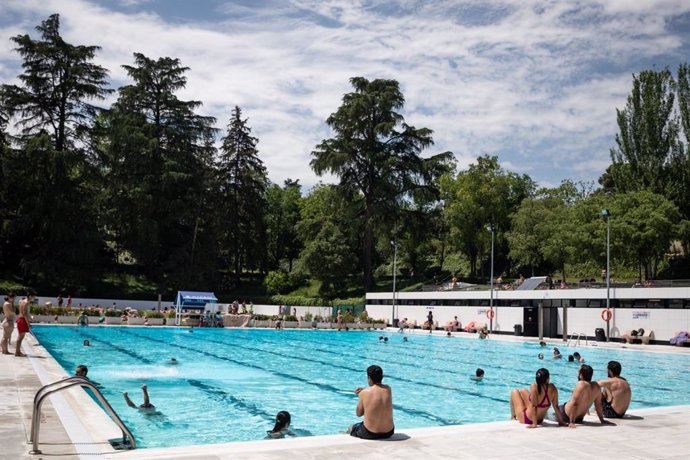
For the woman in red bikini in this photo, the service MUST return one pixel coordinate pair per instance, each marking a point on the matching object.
(530, 406)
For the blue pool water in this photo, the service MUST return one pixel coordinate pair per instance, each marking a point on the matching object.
(230, 383)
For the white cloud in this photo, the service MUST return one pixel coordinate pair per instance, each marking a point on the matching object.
(536, 82)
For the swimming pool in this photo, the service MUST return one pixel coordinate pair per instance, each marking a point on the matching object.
(230, 383)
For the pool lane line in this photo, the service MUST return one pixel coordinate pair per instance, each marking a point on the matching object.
(388, 375)
(397, 361)
(321, 386)
(358, 371)
(561, 390)
(495, 367)
(235, 402)
(221, 395)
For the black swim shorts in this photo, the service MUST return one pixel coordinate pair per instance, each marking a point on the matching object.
(360, 431)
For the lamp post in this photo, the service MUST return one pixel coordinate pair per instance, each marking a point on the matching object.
(605, 214)
(491, 282)
(395, 260)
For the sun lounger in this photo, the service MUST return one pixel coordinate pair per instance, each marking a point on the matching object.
(639, 336)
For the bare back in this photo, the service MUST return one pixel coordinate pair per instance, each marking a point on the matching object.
(376, 404)
(617, 392)
(8, 310)
(24, 308)
(584, 395)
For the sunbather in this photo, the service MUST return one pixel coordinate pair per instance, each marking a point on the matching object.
(530, 407)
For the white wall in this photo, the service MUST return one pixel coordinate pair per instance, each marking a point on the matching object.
(664, 322)
(86, 302)
(504, 320)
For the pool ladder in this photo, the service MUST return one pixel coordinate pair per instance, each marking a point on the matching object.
(127, 438)
(577, 336)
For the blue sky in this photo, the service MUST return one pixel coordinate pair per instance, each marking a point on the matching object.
(536, 83)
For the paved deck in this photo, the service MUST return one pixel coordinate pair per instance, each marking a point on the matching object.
(73, 427)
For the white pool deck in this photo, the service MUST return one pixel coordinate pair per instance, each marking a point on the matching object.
(73, 427)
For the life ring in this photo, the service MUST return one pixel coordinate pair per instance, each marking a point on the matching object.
(606, 314)
(490, 313)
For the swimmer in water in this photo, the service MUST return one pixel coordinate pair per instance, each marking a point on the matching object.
(478, 375)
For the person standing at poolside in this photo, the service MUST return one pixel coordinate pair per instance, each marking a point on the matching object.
(376, 405)
(430, 321)
(615, 392)
(7, 323)
(22, 325)
(585, 393)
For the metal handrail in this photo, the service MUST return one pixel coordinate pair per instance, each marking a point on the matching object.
(577, 336)
(60, 385)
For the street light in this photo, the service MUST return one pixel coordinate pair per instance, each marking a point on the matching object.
(606, 214)
(491, 282)
(395, 260)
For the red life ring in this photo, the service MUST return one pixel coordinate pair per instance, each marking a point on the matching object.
(490, 313)
(606, 314)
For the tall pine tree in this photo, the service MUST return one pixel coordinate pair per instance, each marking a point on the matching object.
(242, 182)
(158, 160)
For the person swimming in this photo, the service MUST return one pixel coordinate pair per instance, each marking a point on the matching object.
(282, 425)
(540, 356)
(146, 407)
(578, 358)
(86, 343)
(556, 353)
(571, 359)
(173, 361)
(478, 374)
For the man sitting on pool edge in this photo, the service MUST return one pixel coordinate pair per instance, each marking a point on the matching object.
(585, 393)
(616, 394)
(376, 405)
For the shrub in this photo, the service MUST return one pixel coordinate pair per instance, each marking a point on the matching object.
(261, 317)
(290, 318)
(153, 314)
(277, 282)
(38, 310)
(113, 313)
(170, 314)
(308, 317)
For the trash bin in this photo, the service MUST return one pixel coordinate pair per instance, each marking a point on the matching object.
(518, 329)
(395, 322)
(600, 334)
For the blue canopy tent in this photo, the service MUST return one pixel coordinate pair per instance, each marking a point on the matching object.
(192, 299)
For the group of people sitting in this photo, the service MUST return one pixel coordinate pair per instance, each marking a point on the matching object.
(611, 398)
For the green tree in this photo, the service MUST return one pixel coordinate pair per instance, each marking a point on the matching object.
(328, 257)
(335, 208)
(540, 234)
(50, 221)
(648, 135)
(376, 154)
(484, 195)
(158, 165)
(643, 226)
(58, 81)
(282, 217)
(242, 183)
(680, 165)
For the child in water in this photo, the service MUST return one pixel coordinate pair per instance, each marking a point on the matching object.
(282, 426)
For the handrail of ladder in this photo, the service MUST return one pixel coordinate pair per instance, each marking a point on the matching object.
(577, 336)
(60, 385)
